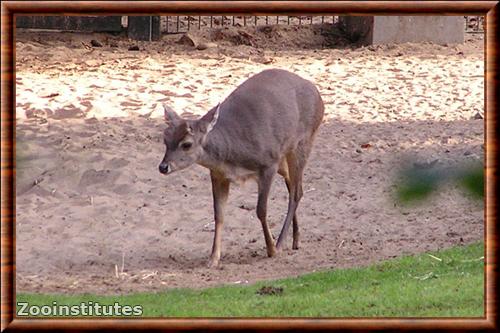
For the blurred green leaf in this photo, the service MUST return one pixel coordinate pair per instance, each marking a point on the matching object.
(417, 183)
(472, 180)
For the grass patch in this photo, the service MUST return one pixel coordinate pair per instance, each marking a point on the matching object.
(440, 284)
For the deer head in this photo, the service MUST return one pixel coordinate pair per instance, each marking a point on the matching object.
(184, 139)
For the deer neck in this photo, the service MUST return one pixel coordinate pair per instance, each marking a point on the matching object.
(213, 150)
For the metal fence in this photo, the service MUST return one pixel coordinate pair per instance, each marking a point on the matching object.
(183, 24)
(474, 24)
(151, 27)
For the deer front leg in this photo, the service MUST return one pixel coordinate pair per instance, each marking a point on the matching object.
(264, 183)
(220, 191)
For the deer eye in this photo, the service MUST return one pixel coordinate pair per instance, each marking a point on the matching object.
(186, 145)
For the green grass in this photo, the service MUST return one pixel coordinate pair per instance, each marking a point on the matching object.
(417, 286)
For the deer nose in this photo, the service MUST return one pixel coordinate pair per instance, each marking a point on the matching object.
(163, 168)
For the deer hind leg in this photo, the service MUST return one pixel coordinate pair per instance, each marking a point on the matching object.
(220, 191)
(286, 176)
(264, 184)
(291, 184)
(293, 178)
(283, 171)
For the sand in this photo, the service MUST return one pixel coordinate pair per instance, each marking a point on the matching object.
(93, 214)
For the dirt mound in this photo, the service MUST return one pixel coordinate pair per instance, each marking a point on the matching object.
(279, 37)
(270, 290)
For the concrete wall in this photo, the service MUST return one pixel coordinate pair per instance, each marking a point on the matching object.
(401, 29)
(367, 30)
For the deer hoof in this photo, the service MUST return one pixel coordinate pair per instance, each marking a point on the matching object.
(271, 251)
(213, 263)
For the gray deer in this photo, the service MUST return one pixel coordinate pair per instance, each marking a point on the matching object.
(266, 126)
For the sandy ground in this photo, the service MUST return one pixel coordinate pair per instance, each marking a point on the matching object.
(94, 214)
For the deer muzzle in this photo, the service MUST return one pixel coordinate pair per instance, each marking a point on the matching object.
(163, 168)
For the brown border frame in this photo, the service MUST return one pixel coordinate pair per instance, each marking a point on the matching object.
(10, 8)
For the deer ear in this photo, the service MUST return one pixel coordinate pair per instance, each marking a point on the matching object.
(214, 119)
(171, 117)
